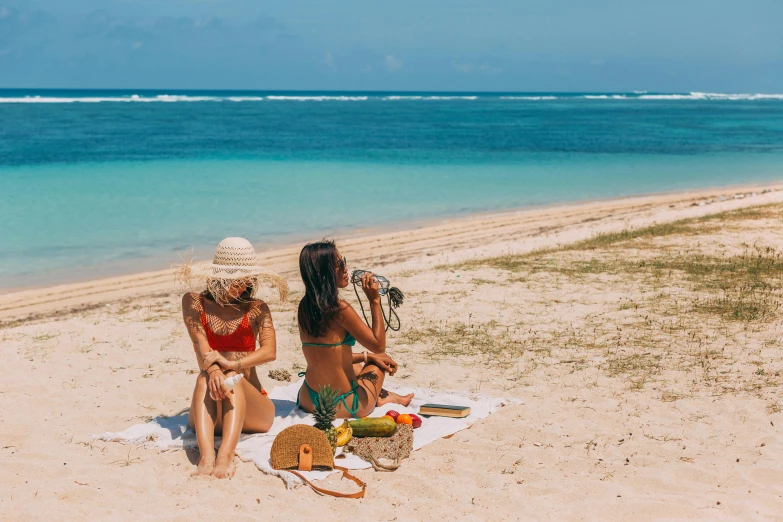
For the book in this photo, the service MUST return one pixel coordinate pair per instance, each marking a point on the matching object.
(444, 410)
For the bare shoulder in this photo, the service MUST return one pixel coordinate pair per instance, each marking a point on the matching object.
(345, 310)
(260, 314)
(191, 301)
(189, 298)
(259, 308)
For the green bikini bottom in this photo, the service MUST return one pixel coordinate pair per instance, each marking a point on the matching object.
(353, 409)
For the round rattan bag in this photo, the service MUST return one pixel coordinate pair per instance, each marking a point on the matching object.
(288, 443)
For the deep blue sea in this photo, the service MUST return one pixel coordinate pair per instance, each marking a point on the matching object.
(98, 182)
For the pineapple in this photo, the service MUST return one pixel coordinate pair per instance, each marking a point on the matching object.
(325, 413)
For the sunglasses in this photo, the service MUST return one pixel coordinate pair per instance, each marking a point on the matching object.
(343, 263)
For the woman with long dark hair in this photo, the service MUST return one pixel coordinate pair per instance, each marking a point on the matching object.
(329, 328)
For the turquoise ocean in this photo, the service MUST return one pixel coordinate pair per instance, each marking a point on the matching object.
(103, 182)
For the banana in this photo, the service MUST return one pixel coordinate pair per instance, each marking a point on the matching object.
(344, 434)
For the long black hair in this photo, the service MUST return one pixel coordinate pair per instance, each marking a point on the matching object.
(319, 306)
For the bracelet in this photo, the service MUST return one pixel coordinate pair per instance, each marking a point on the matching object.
(239, 364)
(215, 369)
(365, 356)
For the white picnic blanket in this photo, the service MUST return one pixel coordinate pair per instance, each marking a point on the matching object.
(166, 433)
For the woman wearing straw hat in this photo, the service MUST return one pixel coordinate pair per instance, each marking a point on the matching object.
(224, 321)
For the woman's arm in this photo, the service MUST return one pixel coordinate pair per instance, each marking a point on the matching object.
(267, 350)
(380, 359)
(373, 339)
(191, 314)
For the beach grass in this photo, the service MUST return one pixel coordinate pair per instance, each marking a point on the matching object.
(695, 308)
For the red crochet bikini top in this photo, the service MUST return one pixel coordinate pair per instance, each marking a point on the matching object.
(240, 340)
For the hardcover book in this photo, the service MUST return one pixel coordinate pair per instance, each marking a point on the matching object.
(444, 410)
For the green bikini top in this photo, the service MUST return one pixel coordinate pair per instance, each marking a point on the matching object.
(350, 340)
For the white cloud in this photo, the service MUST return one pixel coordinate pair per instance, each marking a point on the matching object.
(393, 64)
(209, 22)
(137, 45)
(328, 62)
(4, 12)
(463, 67)
(488, 69)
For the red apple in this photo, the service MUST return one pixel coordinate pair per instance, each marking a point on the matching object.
(415, 420)
(393, 414)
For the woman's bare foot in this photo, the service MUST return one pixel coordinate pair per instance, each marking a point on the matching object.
(205, 466)
(224, 468)
(387, 397)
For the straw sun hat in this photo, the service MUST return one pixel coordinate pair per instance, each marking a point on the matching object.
(235, 261)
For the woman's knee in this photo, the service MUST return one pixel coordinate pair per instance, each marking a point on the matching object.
(200, 390)
(263, 423)
(371, 379)
(374, 368)
(260, 415)
(201, 380)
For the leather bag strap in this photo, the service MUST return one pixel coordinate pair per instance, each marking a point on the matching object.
(358, 494)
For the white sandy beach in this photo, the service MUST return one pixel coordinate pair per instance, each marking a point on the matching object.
(635, 403)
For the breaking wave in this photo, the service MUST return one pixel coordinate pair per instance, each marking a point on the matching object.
(407, 98)
(531, 98)
(317, 98)
(712, 96)
(186, 98)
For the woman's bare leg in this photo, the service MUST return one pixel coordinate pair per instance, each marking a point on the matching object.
(385, 396)
(234, 408)
(202, 418)
(246, 410)
(388, 397)
(370, 381)
(260, 412)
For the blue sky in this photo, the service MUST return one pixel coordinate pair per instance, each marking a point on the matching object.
(522, 45)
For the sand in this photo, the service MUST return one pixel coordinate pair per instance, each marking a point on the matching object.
(639, 399)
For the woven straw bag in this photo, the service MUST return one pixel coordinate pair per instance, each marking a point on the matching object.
(287, 444)
(305, 448)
